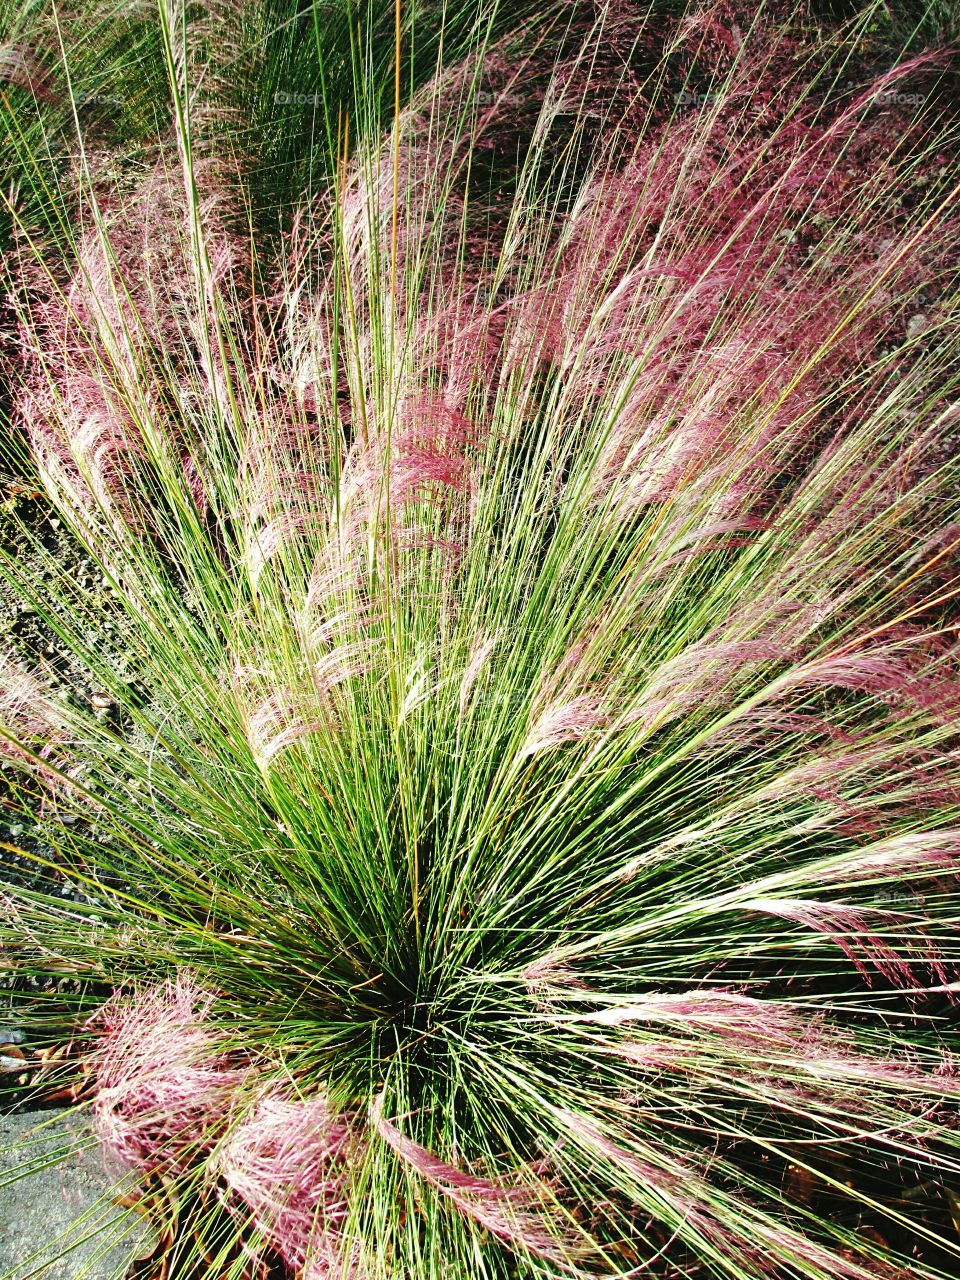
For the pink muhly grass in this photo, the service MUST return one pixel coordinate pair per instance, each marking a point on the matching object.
(337, 605)
(713, 536)
(20, 66)
(275, 716)
(919, 853)
(680, 1188)
(569, 704)
(420, 457)
(85, 445)
(564, 720)
(678, 325)
(515, 1214)
(431, 439)
(35, 736)
(477, 661)
(781, 1242)
(336, 665)
(163, 1082)
(28, 709)
(733, 1227)
(870, 671)
(269, 537)
(855, 931)
(427, 155)
(700, 675)
(282, 471)
(744, 1020)
(286, 1168)
(685, 1199)
(276, 724)
(458, 346)
(97, 401)
(799, 1061)
(773, 1028)
(653, 421)
(548, 976)
(404, 491)
(847, 774)
(910, 851)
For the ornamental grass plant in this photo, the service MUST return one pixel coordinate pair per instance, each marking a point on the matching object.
(516, 831)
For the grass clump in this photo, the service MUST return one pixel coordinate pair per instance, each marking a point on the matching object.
(523, 836)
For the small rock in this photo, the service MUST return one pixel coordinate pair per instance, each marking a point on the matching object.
(12, 1035)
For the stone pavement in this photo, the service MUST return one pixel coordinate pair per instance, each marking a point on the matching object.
(39, 1211)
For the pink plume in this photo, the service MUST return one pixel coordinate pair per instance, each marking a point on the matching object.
(163, 1086)
(698, 675)
(848, 927)
(514, 1215)
(286, 1167)
(715, 1011)
(563, 720)
(277, 723)
(28, 709)
(480, 652)
(546, 976)
(918, 851)
(276, 718)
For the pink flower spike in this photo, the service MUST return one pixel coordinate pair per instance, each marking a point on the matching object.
(480, 652)
(287, 1166)
(546, 976)
(275, 724)
(163, 1086)
(564, 720)
(847, 926)
(27, 708)
(664, 1182)
(716, 1012)
(919, 851)
(514, 1215)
